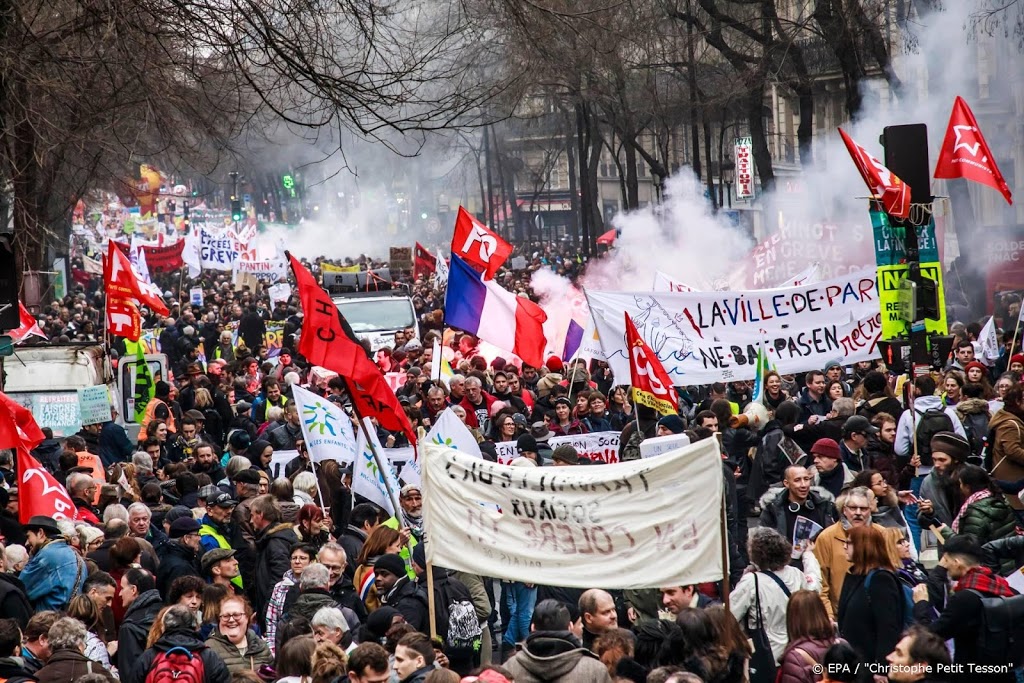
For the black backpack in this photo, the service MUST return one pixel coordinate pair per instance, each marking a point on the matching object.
(976, 429)
(930, 423)
(1001, 636)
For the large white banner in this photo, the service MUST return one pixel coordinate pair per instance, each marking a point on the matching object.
(637, 524)
(704, 337)
(325, 427)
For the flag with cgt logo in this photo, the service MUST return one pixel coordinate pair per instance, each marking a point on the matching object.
(367, 478)
(325, 427)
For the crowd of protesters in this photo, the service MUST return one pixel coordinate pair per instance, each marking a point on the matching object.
(191, 556)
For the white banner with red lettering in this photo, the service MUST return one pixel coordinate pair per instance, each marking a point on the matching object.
(584, 527)
(598, 447)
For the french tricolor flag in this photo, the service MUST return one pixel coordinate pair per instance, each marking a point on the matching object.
(496, 315)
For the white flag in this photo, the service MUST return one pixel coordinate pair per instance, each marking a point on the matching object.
(450, 432)
(191, 253)
(435, 362)
(325, 427)
(988, 342)
(138, 259)
(367, 479)
(441, 269)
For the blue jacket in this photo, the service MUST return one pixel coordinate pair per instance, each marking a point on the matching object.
(53, 576)
(115, 446)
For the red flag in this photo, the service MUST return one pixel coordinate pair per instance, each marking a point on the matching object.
(478, 245)
(124, 319)
(122, 282)
(39, 493)
(28, 325)
(325, 342)
(651, 384)
(965, 154)
(883, 183)
(424, 263)
(17, 426)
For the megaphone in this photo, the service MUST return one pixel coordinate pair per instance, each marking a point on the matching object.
(754, 417)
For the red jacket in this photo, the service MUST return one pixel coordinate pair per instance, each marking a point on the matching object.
(794, 667)
(471, 420)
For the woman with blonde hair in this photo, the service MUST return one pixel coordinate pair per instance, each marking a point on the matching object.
(84, 609)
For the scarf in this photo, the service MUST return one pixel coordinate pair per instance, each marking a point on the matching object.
(832, 481)
(415, 524)
(984, 580)
(973, 498)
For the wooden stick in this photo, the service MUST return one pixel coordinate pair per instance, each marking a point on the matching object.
(725, 554)
(430, 599)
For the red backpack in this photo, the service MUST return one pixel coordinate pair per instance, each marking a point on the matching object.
(177, 665)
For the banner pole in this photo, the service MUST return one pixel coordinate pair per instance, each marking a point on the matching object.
(1013, 344)
(725, 554)
(431, 607)
(392, 494)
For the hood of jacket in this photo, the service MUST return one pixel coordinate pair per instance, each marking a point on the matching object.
(146, 605)
(180, 637)
(282, 531)
(972, 406)
(923, 403)
(549, 655)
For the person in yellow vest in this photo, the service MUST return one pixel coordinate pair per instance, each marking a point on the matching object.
(410, 526)
(216, 525)
(159, 407)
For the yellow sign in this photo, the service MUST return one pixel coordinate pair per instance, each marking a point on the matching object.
(329, 268)
(888, 297)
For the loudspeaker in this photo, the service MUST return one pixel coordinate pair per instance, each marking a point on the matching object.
(906, 155)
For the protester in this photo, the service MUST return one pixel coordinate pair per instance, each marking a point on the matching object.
(552, 652)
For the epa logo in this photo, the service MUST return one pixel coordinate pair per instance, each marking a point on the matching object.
(318, 418)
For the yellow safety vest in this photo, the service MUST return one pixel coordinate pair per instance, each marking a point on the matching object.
(404, 553)
(207, 530)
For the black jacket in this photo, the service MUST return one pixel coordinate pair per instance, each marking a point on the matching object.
(115, 446)
(131, 637)
(871, 620)
(14, 602)
(352, 540)
(273, 559)
(819, 507)
(411, 600)
(177, 560)
(214, 669)
(284, 437)
(12, 670)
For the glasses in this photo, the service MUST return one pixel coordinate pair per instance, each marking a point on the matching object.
(232, 617)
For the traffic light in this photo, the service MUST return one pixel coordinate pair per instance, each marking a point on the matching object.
(236, 209)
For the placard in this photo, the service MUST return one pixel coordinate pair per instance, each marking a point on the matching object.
(94, 404)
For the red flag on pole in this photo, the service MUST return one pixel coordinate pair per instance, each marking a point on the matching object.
(28, 325)
(883, 183)
(965, 154)
(17, 426)
(651, 384)
(39, 493)
(424, 263)
(122, 282)
(478, 245)
(325, 342)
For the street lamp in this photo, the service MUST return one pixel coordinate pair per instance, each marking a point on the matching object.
(726, 172)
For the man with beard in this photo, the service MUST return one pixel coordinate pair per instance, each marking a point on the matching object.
(502, 392)
(879, 453)
(830, 546)
(780, 509)
(434, 406)
(409, 522)
(940, 496)
(207, 463)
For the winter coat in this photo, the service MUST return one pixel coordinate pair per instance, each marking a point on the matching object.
(829, 550)
(880, 403)
(879, 455)
(795, 667)
(819, 507)
(213, 666)
(53, 575)
(310, 602)
(131, 637)
(418, 676)
(871, 618)
(257, 652)
(13, 670)
(975, 417)
(743, 603)
(284, 437)
(411, 600)
(1008, 450)
(14, 603)
(69, 665)
(177, 560)
(990, 519)
(808, 406)
(556, 657)
(771, 460)
(273, 559)
(905, 427)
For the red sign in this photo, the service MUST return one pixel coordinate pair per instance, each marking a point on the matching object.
(160, 259)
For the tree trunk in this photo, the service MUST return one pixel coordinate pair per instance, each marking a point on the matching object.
(759, 138)
(805, 131)
(692, 82)
(597, 215)
(489, 207)
(575, 220)
(707, 155)
(581, 162)
(632, 181)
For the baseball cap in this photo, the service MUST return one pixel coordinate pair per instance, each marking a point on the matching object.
(249, 476)
(858, 424)
(221, 500)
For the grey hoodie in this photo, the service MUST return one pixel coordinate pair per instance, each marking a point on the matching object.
(556, 657)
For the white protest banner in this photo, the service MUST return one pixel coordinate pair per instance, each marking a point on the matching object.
(325, 427)
(507, 451)
(596, 446)
(280, 292)
(94, 404)
(441, 269)
(586, 527)
(666, 283)
(217, 252)
(705, 337)
(988, 343)
(590, 342)
(279, 460)
(367, 478)
(270, 271)
(191, 254)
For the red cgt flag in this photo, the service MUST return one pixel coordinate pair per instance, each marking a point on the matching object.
(651, 384)
(424, 263)
(883, 183)
(122, 282)
(325, 342)
(965, 154)
(478, 245)
(39, 493)
(17, 426)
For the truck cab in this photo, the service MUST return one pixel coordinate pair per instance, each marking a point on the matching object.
(372, 305)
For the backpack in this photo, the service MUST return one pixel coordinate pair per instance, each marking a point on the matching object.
(177, 665)
(930, 423)
(1001, 636)
(976, 428)
(457, 616)
(631, 451)
(907, 609)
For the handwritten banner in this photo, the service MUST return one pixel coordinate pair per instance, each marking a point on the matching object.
(217, 252)
(269, 271)
(586, 527)
(598, 447)
(704, 337)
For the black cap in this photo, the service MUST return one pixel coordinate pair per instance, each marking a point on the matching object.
(858, 424)
(183, 526)
(527, 443)
(221, 500)
(249, 476)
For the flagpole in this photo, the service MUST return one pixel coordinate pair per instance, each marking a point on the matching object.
(1016, 329)
(392, 494)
